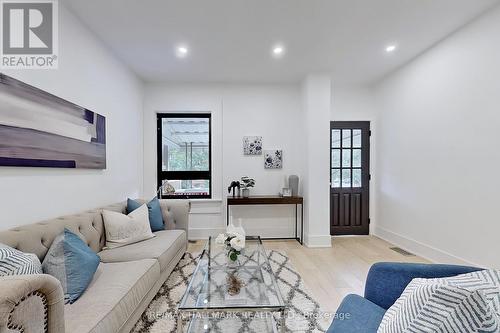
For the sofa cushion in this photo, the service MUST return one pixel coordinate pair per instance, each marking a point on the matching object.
(72, 262)
(163, 247)
(155, 216)
(463, 303)
(357, 315)
(124, 229)
(14, 262)
(112, 296)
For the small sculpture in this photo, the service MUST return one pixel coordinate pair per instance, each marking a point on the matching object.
(234, 184)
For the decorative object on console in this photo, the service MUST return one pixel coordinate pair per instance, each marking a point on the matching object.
(38, 129)
(155, 217)
(252, 145)
(234, 185)
(246, 183)
(15, 262)
(126, 229)
(273, 159)
(72, 262)
(234, 244)
(287, 192)
(293, 184)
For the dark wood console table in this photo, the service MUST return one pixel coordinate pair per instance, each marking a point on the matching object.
(272, 200)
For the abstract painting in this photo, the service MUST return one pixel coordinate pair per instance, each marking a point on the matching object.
(273, 159)
(252, 145)
(38, 129)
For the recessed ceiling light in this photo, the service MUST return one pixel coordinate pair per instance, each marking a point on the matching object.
(391, 48)
(181, 51)
(278, 51)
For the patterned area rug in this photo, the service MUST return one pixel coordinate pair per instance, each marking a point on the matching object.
(304, 313)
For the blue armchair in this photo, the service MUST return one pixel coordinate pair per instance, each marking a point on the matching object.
(384, 284)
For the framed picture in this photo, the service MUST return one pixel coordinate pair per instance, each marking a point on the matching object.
(38, 129)
(273, 159)
(252, 145)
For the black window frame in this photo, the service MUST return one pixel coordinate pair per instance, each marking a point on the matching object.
(183, 175)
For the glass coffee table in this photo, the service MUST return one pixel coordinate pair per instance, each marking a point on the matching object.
(209, 305)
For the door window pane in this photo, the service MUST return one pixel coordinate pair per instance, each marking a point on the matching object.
(335, 138)
(346, 178)
(356, 178)
(346, 158)
(356, 138)
(335, 158)
(356, 158)
(346, 138)
(335, 178)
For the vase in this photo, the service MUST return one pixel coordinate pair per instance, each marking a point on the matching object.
(245, 193)
(293, 183)
(236, 228)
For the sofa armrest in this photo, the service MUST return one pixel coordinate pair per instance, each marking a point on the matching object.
(386, 281)
(176, 212)
(31, 303)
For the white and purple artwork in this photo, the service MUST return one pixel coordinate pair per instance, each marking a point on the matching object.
(252, 145)
(273, 159)
(38, 129)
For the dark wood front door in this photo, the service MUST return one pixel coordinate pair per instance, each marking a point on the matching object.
(349, 177)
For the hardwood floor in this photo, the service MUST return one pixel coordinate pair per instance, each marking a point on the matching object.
(332, 273)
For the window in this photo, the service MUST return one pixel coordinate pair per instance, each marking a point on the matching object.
(184, 155)
(346, 163)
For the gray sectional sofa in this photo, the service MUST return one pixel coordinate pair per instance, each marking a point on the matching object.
(126, 280)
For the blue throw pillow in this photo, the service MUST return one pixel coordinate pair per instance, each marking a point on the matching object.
(155, 217)
(72, 262)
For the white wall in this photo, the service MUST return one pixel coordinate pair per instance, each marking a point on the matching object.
(358, 104)
(438, 149)
(89, 76)
(272, 111)
(316, 109)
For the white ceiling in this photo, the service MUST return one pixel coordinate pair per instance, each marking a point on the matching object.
(231, 40)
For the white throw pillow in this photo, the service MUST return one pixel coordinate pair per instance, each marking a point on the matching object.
(463, 303)
(126, 229)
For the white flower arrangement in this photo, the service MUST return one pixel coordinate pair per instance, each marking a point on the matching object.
(233, 242)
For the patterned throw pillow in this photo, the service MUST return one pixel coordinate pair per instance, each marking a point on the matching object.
(463, 303)
(15, 262)
(72, 262)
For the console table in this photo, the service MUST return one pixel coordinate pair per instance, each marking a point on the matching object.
(272, 200)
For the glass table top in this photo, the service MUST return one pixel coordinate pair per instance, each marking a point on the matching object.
(208, 288)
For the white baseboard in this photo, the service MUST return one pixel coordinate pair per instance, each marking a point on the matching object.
(204, 233)
(428, 252)
(318, 241)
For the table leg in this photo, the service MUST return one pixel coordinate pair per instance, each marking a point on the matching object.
(302, 224)
(296, 220)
